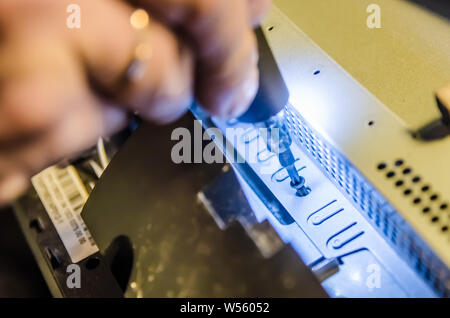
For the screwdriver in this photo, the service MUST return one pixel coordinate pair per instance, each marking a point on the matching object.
(267, 111)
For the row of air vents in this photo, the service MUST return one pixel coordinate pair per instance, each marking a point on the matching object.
(414, 187)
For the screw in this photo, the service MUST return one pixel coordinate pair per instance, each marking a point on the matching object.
(302, 190)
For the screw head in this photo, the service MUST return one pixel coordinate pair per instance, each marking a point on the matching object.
(303, 191)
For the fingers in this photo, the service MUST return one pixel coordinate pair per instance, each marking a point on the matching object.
(224, 46)
(258, 9)
(12, 186)
(73, 134)
(87, 119)
(443, 95)
(164, 90)
(47, 110)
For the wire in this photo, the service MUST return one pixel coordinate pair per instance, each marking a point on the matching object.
(96, 167)
(104, 160)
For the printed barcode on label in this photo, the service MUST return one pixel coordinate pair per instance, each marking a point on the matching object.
(63, 195)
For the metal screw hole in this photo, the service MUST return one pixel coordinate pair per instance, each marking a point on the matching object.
(407, 171)
(390, 174)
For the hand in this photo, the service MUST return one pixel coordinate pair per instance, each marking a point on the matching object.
(48, 107)
(444, 96)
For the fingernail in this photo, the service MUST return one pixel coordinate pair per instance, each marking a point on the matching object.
(12, 187)
(246, 95)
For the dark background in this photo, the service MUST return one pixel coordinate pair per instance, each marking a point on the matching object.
(19, 273)
(441, 7)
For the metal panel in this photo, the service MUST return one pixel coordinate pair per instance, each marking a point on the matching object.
(395, 181)
(402, 63)
(360, 132)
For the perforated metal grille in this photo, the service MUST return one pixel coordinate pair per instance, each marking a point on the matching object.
(373, 205)
(421, 194)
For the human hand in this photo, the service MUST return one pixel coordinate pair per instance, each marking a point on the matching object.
(49, 108)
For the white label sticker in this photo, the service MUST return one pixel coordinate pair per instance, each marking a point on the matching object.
(63, 195)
